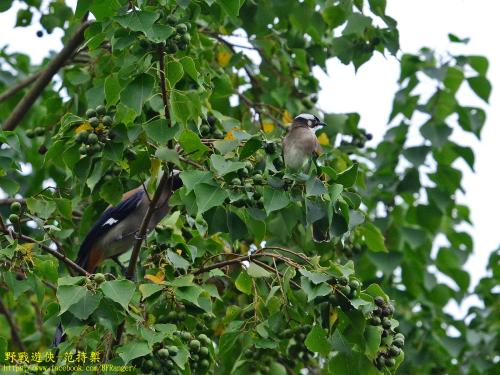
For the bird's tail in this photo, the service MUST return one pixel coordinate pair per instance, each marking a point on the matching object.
(59, 336)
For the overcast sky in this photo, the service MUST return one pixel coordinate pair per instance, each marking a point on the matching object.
(371, 89)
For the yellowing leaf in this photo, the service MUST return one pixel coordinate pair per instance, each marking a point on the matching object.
(223, 58)
(26, 248)
(82, 127)
(229, 136)
(287, 118)
(157, 279)
(323, 139)
(179, 251)
(333, 317)
(267, 126)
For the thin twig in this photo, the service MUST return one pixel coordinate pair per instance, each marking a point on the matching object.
(45, 78)
(188, 161)
(21, 85)
(14, 329)
(275, 270)
(279, 248)
(47, 249)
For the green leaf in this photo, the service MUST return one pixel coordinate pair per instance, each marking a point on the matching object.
(138, 92)
(177, 261)
(481, 87)
(159, 132)
(174, 73)
(479, 63)
(147, 290)
(138, 21)
(68, 295)
(250, 147)
(313, 290)
(244, 283)
(223, 166)
(274, 199)
(120, 291)
(316, 341)
(377, 6)
(86, 305)
(208, 196)
(111, 191)
(112, 89)
(315, 187)
(373, 237)
(334, 15)
(189, 67)
(168, 155)
(195, 177)
(257, 271)
(231, 7)
(348, 177)
(191, 143)
(41, 207)
(315, 277)
(133, 350)
(356, 24)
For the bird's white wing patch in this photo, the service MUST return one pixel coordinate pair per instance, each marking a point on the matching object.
(110, 222)
(306, 116)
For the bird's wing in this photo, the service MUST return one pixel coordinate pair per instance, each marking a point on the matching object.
(109, 218)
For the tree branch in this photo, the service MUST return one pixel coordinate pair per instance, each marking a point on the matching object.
(47, 249)
(14, 329)
(45, 77)
(21, 85)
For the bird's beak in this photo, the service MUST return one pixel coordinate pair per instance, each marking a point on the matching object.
(321, 123)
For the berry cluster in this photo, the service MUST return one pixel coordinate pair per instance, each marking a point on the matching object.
(246, 180)
(297, 351)
(358, 139)
(92, 141)
(259, 360)
(39, 131)
(208, 129)
(181, 38)
(272, 149)
(15, 207)
(392, 342)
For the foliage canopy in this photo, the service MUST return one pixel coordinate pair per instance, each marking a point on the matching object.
(231, 281)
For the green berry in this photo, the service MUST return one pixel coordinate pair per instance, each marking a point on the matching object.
(107, 121)
(163, 353)
(181, 28)
(390, 362)
(204, 339)
(204, 351)
(249, 165)
(186, 38)
(386, 323)
(14, 218)
(99, 278)
(204, 364)
(96, 148)
(185, 335)
(204, 129)
(218, 133)
(148, 365)
(100, 110)
(15, 207)
(30, 133)
(375, 321)
(39, 131)
(257, 196)
(172, 315)
(83, 150)
(257, 178)
(195, 345)
(379, 301)
(248, 186)
(90, 113)
(173, 350)
(94, 122)
(236, 181)
(92, 139)
(170, 364)
(399, 343)
(82, 136)
(172, 20)
(394, 351)
(249, 353)
(243, 172)
(343, 281)
(195, 357)
(171, 47)
(354, 284)
(345, 290)
(399, 336)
